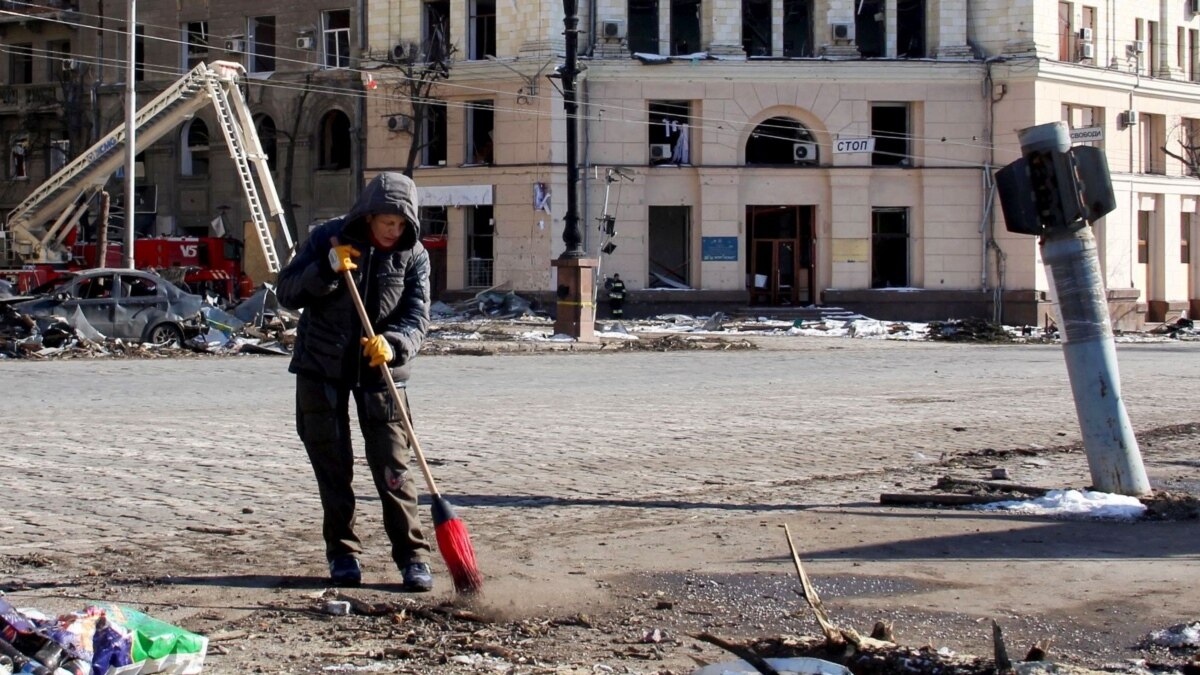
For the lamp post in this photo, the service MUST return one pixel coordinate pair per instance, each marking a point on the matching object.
(576, 310)
(130, 132)
(572, 236)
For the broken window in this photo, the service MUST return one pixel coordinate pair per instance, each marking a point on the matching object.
(670, 246)
(483, 29)
(643, 26)
(889, 126)
(434, 234)
(685, 26)
(334, 146)
(20, 64)
(264, 126)
(58, 65)
(480, 125)
(195, 43)
(60, 151)
(481, 233)
(756, 27)
(910, 29)
(436, 27)
(797, 28)
(869, 28)
(670, 132)
(335, 26)
(433, 134)
(889, 247)
(194, 158)
(261, 33)
(782, 140)
(18, 160)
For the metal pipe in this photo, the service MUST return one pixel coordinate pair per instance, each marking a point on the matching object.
(1073, 268)
(130, 132)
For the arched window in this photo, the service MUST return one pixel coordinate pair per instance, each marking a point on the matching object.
(264, 126)
(782, 140)
(194, 157)
(334, 142)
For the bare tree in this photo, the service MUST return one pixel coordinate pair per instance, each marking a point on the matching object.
(422, 67)
(1189, 154)
(288, 170)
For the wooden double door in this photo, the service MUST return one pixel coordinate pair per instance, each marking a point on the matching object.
(779, 255)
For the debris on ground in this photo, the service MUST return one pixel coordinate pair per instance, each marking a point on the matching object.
(968, 330)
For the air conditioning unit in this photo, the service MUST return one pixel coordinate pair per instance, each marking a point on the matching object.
(235, 45)
(399, 123)
(612, 29)
(70, 65)
(1130, 118)
(305, 43)
(660, 151)
(842, 31)
(1085, 34)
(1137, 47)
(397, 54)
(804, 153)
(1087, 50)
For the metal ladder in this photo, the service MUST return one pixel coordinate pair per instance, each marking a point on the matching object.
(241, 159)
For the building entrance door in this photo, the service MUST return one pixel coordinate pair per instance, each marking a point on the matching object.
(779, 254)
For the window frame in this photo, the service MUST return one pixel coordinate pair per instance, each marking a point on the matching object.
(260, 52)
(194, 51)
(480, 27)
(659, 113)
(476, 154)
(20, 57)
(893, 150)
(337, 60)
(435, 124)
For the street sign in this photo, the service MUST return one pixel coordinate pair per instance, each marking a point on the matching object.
(1087, 134)
(845, 146)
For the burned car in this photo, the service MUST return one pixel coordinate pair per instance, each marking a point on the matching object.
(122, 303)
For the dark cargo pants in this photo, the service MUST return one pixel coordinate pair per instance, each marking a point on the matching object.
(323, 422)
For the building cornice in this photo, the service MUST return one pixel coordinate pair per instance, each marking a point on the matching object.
(1077, 75)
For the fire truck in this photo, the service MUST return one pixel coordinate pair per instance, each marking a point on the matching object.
(38, 237)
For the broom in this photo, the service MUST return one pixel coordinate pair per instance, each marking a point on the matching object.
(453, 540)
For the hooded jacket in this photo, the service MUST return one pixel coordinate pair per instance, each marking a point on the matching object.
(394, 285)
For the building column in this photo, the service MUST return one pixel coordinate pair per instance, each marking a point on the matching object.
(720, 28)
(777, 28)
(950, 17)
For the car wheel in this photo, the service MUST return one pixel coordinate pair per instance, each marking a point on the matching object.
(165, 333)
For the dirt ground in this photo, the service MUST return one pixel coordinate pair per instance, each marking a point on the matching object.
(554, 605)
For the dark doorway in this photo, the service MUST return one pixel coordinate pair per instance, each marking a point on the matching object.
(779, 245)
(481, 241)
(670, 247)
(889, 247)
(643, 26)
(434, 235)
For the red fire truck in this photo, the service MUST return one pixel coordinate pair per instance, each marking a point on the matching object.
(37, 238)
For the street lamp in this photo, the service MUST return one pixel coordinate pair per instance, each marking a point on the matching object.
(572, 236)
(130, 133)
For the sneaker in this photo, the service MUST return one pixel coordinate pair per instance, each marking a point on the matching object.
(418, 578)
(345, 571)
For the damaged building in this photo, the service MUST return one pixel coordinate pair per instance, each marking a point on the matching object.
(791, 152)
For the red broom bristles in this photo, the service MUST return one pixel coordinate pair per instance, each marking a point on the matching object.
(455, 544)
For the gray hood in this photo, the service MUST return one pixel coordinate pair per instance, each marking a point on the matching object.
(387, 192)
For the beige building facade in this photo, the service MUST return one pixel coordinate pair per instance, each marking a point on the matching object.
(725, 141)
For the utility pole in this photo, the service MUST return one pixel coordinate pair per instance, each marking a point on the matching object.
(1055, 192)
(130, 151)
(576, 315)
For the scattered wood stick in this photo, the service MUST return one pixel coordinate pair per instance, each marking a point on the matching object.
(1003, 663)
(950, 483)
(204, 529)
(743, 653)
(832, 633)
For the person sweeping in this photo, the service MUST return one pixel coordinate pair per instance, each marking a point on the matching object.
(376, 245)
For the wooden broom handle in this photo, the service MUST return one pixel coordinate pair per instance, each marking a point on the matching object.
(405, 419)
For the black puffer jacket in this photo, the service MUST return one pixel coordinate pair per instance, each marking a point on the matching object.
(394, 285)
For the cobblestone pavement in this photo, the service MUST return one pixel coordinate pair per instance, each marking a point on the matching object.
(552, 458)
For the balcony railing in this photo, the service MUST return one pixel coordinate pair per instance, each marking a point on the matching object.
(29, 97)
(35, 8)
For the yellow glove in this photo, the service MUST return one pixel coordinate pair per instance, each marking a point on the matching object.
(378, 350)
(340, 258)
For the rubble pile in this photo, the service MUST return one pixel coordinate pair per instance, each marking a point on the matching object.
(257, 325)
